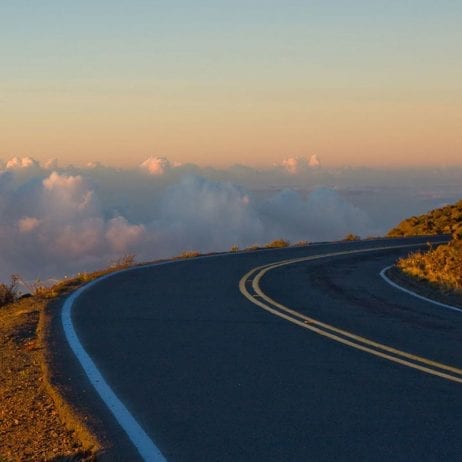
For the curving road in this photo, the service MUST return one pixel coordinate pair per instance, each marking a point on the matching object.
(200, 355)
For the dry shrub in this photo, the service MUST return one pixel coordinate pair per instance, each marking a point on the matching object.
(351, 237)
(122, 262)
(441, 266)
(9, 293)
(66, 285)
(277, 244)
(189, 254)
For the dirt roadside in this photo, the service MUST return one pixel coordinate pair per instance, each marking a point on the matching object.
(35, 423)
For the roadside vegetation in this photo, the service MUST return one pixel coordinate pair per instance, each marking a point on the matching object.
(445, 220)
(441, 266)
(351, 237)
(9, 293)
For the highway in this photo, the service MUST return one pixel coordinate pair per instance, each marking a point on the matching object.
(237, 357)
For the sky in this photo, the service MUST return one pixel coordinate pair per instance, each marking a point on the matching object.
(373, 83)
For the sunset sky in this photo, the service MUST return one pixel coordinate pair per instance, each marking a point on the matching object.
(375, 83)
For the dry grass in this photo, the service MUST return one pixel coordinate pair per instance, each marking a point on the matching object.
(277, 244)
(9, 293)
(441, 266)
(351, 237)
(189, 254)
(40, 290)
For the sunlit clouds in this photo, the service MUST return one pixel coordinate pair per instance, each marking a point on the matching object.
(157, 165)
(62, 220)
(297, 165)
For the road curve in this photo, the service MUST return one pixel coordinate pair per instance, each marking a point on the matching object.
(210, 376)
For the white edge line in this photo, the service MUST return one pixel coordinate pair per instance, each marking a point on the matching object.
(147, 449)
(143, 443)
(410, 292)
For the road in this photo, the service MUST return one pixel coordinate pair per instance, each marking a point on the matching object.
(211, 376)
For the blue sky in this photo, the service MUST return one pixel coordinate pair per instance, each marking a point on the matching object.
(301, 54)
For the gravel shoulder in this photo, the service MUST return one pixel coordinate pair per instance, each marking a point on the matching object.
(35, 423)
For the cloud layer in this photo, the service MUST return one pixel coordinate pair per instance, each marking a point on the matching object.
(57, 221)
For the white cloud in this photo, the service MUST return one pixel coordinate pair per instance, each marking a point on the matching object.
(78, 219)
(123, 236)
(314, 161)
(68, 193)
(299, 165)
(51, 164)
(207, 215)
(17, 163)
(156, 165)
(28, 224)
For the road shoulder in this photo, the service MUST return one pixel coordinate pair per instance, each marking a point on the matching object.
(35, 422)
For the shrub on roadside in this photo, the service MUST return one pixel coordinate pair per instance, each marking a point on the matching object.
(9, 293)
(277, 244)
(441, 266)
(123, 262)
(351, 237)
(189, 254)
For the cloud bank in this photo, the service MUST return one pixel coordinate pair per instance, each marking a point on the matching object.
(59, 221)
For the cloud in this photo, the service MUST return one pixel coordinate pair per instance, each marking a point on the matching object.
(68, 195)
(197, 213)
(62, 220)
(299, 165)
(28, 224)
(51, 164)
(17, 163)
(158, 165)
(122, 236)
(314, 161)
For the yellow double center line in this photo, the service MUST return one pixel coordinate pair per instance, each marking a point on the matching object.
(252, 279)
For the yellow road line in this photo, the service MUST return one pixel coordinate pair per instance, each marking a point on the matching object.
(353, 340)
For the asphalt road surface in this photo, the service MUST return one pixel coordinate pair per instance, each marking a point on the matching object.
(210, 375)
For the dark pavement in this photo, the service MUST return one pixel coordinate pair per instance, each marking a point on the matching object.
(211, 377)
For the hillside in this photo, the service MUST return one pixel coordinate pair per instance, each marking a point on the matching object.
(445, 220)
(442, 266)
